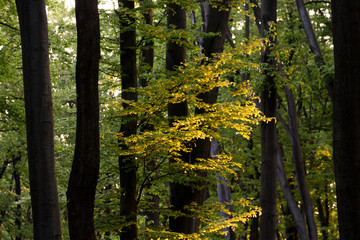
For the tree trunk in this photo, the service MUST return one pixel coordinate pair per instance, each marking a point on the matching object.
(85, 168)
(268, 130)
(127, 164)
(147, 63)
(39, 119)
(346, 113)
(17, 191)
(180, 194)
(223, 192)
(299, 164)
(292, 204)
(313, 44)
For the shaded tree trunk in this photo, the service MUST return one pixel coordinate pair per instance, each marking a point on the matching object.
(17, 191)
(127, 164)
(346, 115)
(85, 168)
(293, 132)
(147, 63)
(292, 204)
(268, 130)
(324, 216)
(180, 195)
(39, 119)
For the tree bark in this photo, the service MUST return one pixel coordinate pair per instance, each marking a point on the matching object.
(85, 168)
(39, 119)
(127, 164)
(268, 130)
(346, 115)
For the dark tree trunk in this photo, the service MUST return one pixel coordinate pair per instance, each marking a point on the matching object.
(39, 119)
(147, 63)
(147, 51)
(292, 204)
(216, 21)
(299, 164)
(313, 44)
(346, 135)
(324, 217)
(268, 130)
(180, 194)
(17, 191)
(127, 164)
(85, 168)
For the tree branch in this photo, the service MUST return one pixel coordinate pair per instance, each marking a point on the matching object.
(7, 25)
(326, 2)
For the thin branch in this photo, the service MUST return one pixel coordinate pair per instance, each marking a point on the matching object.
(7, 25)
(326, 2)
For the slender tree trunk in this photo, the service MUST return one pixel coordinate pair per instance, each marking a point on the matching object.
(127, 164)
(223, 192)
(39, 119)
(313, 43)
(292, 204)
(17, 191)
(147, 63)
(85, 168)
(346, 113)
(268, 130)
(324, 217)
(299, 164)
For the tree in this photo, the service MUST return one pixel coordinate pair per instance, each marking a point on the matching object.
(86, 163)
(181, 195)
(269, 146)
(39, 119)
(127, 163)
(346, 128)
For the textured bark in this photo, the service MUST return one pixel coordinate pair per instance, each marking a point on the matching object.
(292, 204)
(127, 164)
(346, 113)
(39, 119)
(268, 130)
(85, 168)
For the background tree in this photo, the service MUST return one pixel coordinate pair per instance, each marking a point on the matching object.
(269, 146)
(127, 163)
(39, 119)
(85, 168)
